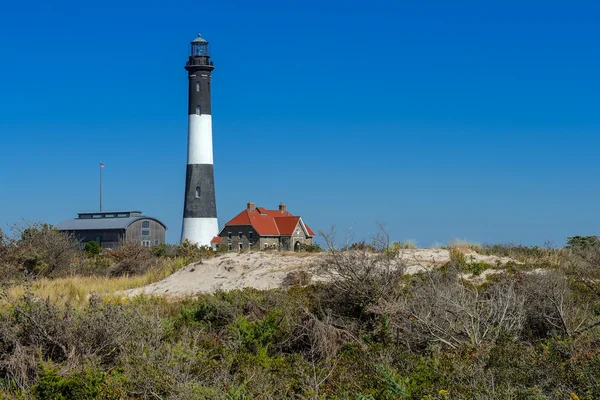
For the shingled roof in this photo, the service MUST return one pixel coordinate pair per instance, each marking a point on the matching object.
(268, 222)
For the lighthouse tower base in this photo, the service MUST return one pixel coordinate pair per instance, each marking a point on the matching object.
(199, 231)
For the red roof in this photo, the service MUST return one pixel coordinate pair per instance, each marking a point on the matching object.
(216, 240)
(268, 222)
(286, 225)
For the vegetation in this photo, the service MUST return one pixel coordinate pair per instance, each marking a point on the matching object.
(368, 331)
(93, 248)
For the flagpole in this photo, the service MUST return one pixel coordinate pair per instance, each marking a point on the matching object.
(101, 186)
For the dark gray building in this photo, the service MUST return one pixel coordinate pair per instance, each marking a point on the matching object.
(110, 228)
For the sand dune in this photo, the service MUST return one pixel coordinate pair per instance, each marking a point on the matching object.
(265, 270)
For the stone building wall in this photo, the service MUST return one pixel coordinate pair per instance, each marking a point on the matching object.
(233, 236)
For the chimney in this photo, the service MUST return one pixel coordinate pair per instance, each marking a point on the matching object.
(251, 206)
(282, 207)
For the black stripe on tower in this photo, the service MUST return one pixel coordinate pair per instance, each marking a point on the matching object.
(199, 93)
(200, 192)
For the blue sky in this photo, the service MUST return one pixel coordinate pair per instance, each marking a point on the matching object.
(471, 120)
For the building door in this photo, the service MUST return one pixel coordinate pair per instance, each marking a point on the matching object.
(297, 246)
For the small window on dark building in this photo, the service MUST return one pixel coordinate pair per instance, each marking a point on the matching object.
(241, 246)
(146, 224)
(240, 234)
(229, 247)
(198, 112)
(250, 235)
(146, 233)
(198, 86)
(198, 192)
(229, 235)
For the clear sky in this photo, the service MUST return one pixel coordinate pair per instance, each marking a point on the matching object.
(443, 120)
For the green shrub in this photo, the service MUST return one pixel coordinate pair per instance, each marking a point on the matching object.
(582, 242)
(192, 252)
(81, 386)
(93, 248)
(310, 248)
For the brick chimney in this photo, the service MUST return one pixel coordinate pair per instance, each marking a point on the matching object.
(251, 206)
(282, 207)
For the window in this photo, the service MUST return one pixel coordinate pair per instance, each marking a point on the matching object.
(156, 242)
(229, 235)
(146, 225)
(240, 235)
(146, 232)
(241, 246)
(266, 246)
(198, 112)
(198, 86)
(146, 243)
(229, 247)
(198, 193)
(250, 235)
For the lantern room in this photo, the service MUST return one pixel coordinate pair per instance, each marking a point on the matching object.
(199, 47)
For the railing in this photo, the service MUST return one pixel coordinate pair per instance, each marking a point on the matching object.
(199, 61)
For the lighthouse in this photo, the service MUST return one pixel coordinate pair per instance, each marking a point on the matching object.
(200, 208)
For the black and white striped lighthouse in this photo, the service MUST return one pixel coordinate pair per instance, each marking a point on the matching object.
(200, 208)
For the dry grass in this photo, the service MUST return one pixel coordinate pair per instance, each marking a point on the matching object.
(463, 244)
(77, 289)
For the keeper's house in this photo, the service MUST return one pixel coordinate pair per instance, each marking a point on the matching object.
(257, 228)
(110, 228)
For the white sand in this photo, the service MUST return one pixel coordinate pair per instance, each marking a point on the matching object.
(266, 270)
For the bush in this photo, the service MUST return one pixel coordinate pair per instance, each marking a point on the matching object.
(41, 250)
(310, 248)
(93, 248)
(582, 242)
(192, 252)
(359, 278)
(130, 259)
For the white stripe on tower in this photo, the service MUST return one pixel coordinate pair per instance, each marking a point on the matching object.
(200, 148)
